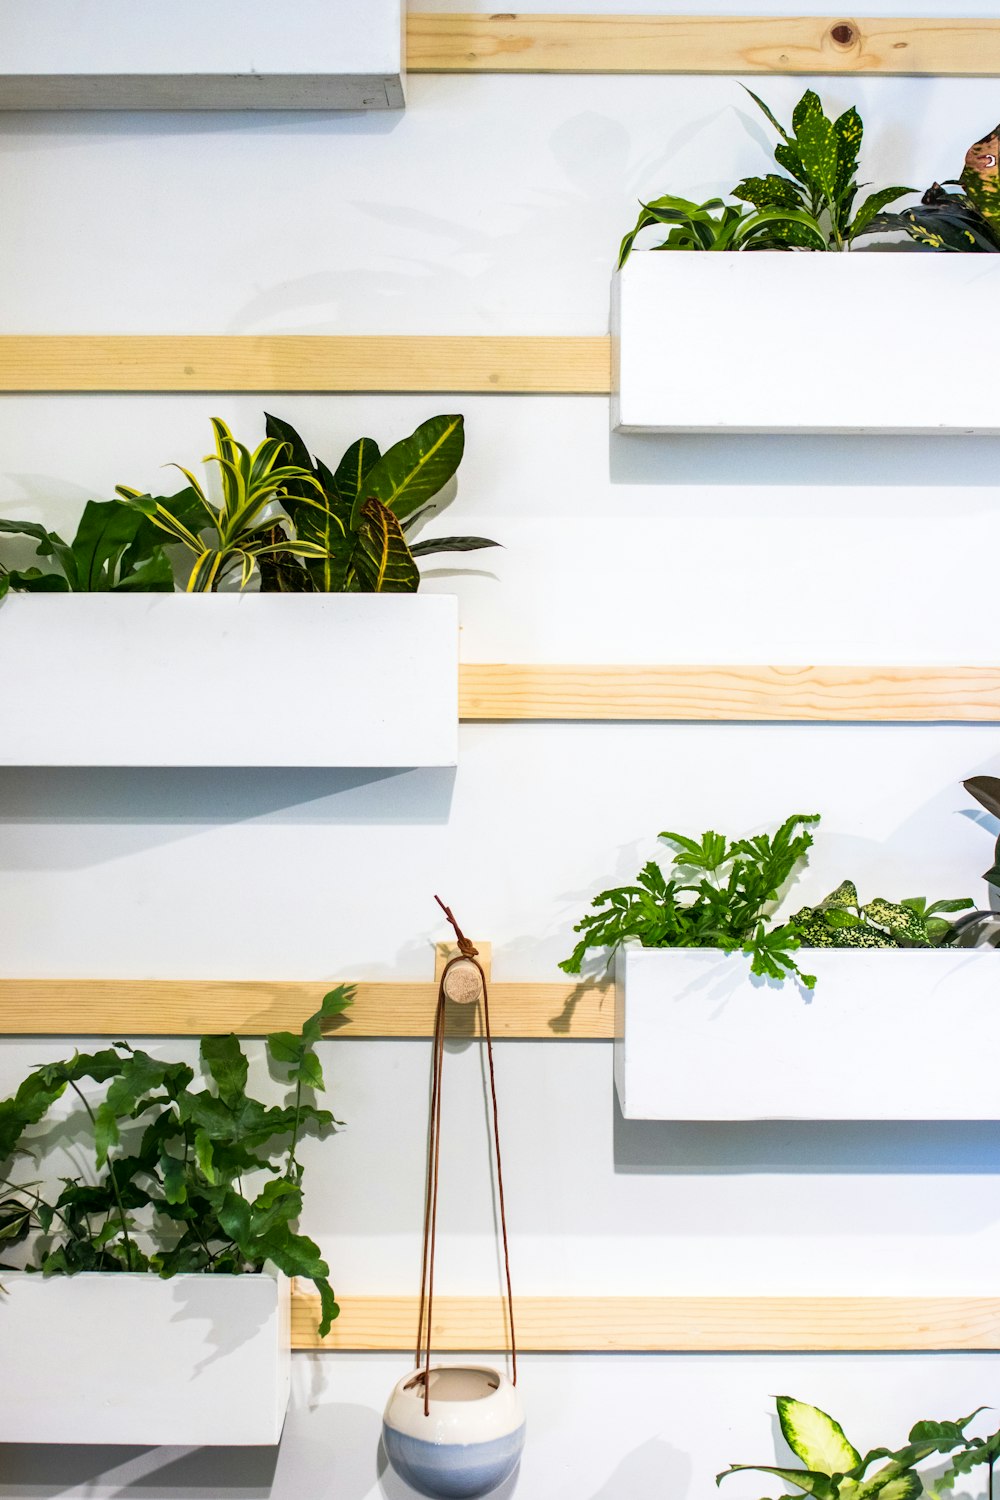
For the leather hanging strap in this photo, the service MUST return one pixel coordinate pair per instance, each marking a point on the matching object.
(467, 953)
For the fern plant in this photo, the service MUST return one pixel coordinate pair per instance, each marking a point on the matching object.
(721, 893)
(186, 1178)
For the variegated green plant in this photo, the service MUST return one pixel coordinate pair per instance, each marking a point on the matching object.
(836, 1470)
(840, 921)
(239, 529)
(811, 207)
(359, 514)
(820, 157)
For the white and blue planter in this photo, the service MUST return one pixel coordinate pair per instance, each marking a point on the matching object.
(469, 1443)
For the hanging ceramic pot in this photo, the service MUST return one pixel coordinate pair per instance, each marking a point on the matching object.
(455, 1430)
(470, 1441)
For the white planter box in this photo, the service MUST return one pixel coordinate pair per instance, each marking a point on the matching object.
(767, 341)
(201, 54)
(229, 680)
(132, 1359)
(697, 1037)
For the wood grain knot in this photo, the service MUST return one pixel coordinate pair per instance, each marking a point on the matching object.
(844, 34)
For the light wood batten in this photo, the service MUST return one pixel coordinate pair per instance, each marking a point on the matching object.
(496, 691)
(497, 364)
(940, 46)
(628, 1325)
(131, 1008)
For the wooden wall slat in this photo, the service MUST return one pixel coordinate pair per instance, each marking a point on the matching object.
(131, 1008)
(791, 693)
(649, 1324)
(305, 362)
(701, 44)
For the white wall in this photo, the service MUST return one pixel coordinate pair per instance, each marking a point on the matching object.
(496, 205)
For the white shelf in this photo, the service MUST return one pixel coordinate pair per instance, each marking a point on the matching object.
(127, 1358)
(887, 1034)
(229, 680)
(201, 54)
(766, 341)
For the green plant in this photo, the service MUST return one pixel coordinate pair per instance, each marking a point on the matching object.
(187, 1178)
(713, 225)
(242, 525)
(809, 208)
(986, 790)
(114, 549)
(840, 921)
(944, 221)
(835, 1470)
(720, 895)
(820, 156)
(358, 515)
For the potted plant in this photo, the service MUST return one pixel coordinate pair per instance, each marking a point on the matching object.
(147, 1300)
(341, 541)
(835, 1470)
(703, 1034)
(672, 313)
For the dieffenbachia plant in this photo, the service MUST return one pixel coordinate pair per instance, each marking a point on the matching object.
(359, 515)
(721, 893)
(840, 921)
(836, 1470)
(186, 1178)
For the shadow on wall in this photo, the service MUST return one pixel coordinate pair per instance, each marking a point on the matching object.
(784, 461)
(668, 1147)
(172, 799)
(135, 1473)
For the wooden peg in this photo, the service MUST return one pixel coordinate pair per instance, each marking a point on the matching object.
(463, 985)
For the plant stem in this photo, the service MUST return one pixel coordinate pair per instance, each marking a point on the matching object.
(295, 1131)
(114, 1181)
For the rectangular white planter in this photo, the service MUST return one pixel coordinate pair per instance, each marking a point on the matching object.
(201, 54)
(229, 680)
(765, 341)
(198, 1360)
(698, 1037)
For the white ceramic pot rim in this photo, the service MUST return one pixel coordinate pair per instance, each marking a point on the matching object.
(496, 1413)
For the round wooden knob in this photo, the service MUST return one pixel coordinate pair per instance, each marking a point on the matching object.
(463, 982)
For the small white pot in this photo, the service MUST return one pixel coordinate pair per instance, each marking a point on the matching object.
(471, 1441)
(128, 1358)
(887, 1034)
(229, 679)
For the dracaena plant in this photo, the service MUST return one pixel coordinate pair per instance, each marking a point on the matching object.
(836, 1470)
(359, 515)
(713, 225)
(841, 921)
(188, 1175)
(239, 529)
(114, 549)
(721, 893)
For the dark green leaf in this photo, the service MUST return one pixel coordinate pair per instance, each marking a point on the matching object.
(414, 469)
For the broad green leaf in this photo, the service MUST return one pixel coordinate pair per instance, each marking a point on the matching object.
(819, 1485)
(819, 150)
(224, 1059)
(770, 192)
(809, 106)
(174, 1179)
(850, 133)
(899, 1487)
(874, 204)
(416, 468)
(383, 561)
(354, 468)
(815, 1437)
